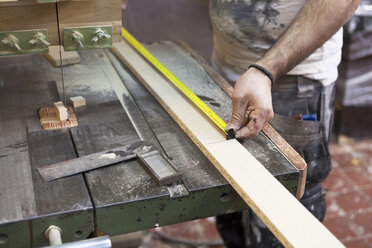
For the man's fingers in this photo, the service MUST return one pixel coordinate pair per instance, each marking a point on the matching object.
(243, 133)
(254, 126)
(238, 112)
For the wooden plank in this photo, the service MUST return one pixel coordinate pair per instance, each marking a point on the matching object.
(276, 207)
(268, 130)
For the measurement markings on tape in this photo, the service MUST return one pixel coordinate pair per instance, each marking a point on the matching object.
(169, 75)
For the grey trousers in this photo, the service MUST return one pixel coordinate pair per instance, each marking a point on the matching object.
(295, 95)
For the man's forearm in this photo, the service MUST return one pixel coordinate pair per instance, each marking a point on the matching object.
(317, 21)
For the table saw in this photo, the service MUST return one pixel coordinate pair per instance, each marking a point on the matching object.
(119, 198)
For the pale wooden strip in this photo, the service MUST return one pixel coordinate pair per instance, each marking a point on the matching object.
(277, 208)
(68, 58)
(289, 220)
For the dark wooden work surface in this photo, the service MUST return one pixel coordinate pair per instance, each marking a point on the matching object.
(119, 198)
(27, 205)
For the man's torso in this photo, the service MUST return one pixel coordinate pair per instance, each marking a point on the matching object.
(245, 29)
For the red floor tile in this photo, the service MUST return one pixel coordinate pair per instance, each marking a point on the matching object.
(369, 240)
(350, 201)
(358, 243)
(340, 227)
(363, 223)
(364, 147)
(367, 193)
(336, 181)
(343, 160)
(333, 209)
(359, 175)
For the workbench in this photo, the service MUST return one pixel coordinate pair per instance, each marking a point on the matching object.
(120, 198)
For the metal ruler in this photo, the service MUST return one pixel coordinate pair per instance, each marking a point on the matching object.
(169, 75)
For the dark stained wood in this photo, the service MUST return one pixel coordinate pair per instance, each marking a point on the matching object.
(25, 17)
(24, 147)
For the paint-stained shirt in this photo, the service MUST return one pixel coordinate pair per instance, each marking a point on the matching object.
(245, 29)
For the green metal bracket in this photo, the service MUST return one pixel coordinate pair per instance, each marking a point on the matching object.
(24, 42)
(84, 38)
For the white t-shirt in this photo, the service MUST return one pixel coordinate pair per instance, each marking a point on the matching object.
(245, 29)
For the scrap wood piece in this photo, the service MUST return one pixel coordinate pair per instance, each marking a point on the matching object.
(77, 101)
(290, 221)
(68, 58)
(50, 121)
(289, 152)
(61, 111)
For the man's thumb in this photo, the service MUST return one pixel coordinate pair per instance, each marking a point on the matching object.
(235, 122)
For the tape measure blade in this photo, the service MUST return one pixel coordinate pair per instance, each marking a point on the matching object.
(171, 77)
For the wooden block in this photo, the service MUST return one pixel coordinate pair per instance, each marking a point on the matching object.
(61, 111)
(286, 217)
(50, 121)
(77, 101)
(68, 58)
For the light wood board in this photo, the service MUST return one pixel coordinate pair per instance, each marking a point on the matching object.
(68, 58)
(278, 209)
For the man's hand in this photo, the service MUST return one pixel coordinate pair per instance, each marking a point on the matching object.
(252, 106)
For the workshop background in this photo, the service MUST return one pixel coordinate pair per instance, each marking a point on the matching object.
(349, 186)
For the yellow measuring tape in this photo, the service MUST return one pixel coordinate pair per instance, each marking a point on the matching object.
(186, 91)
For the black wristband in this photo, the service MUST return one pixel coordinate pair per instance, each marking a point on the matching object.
(266, 72)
